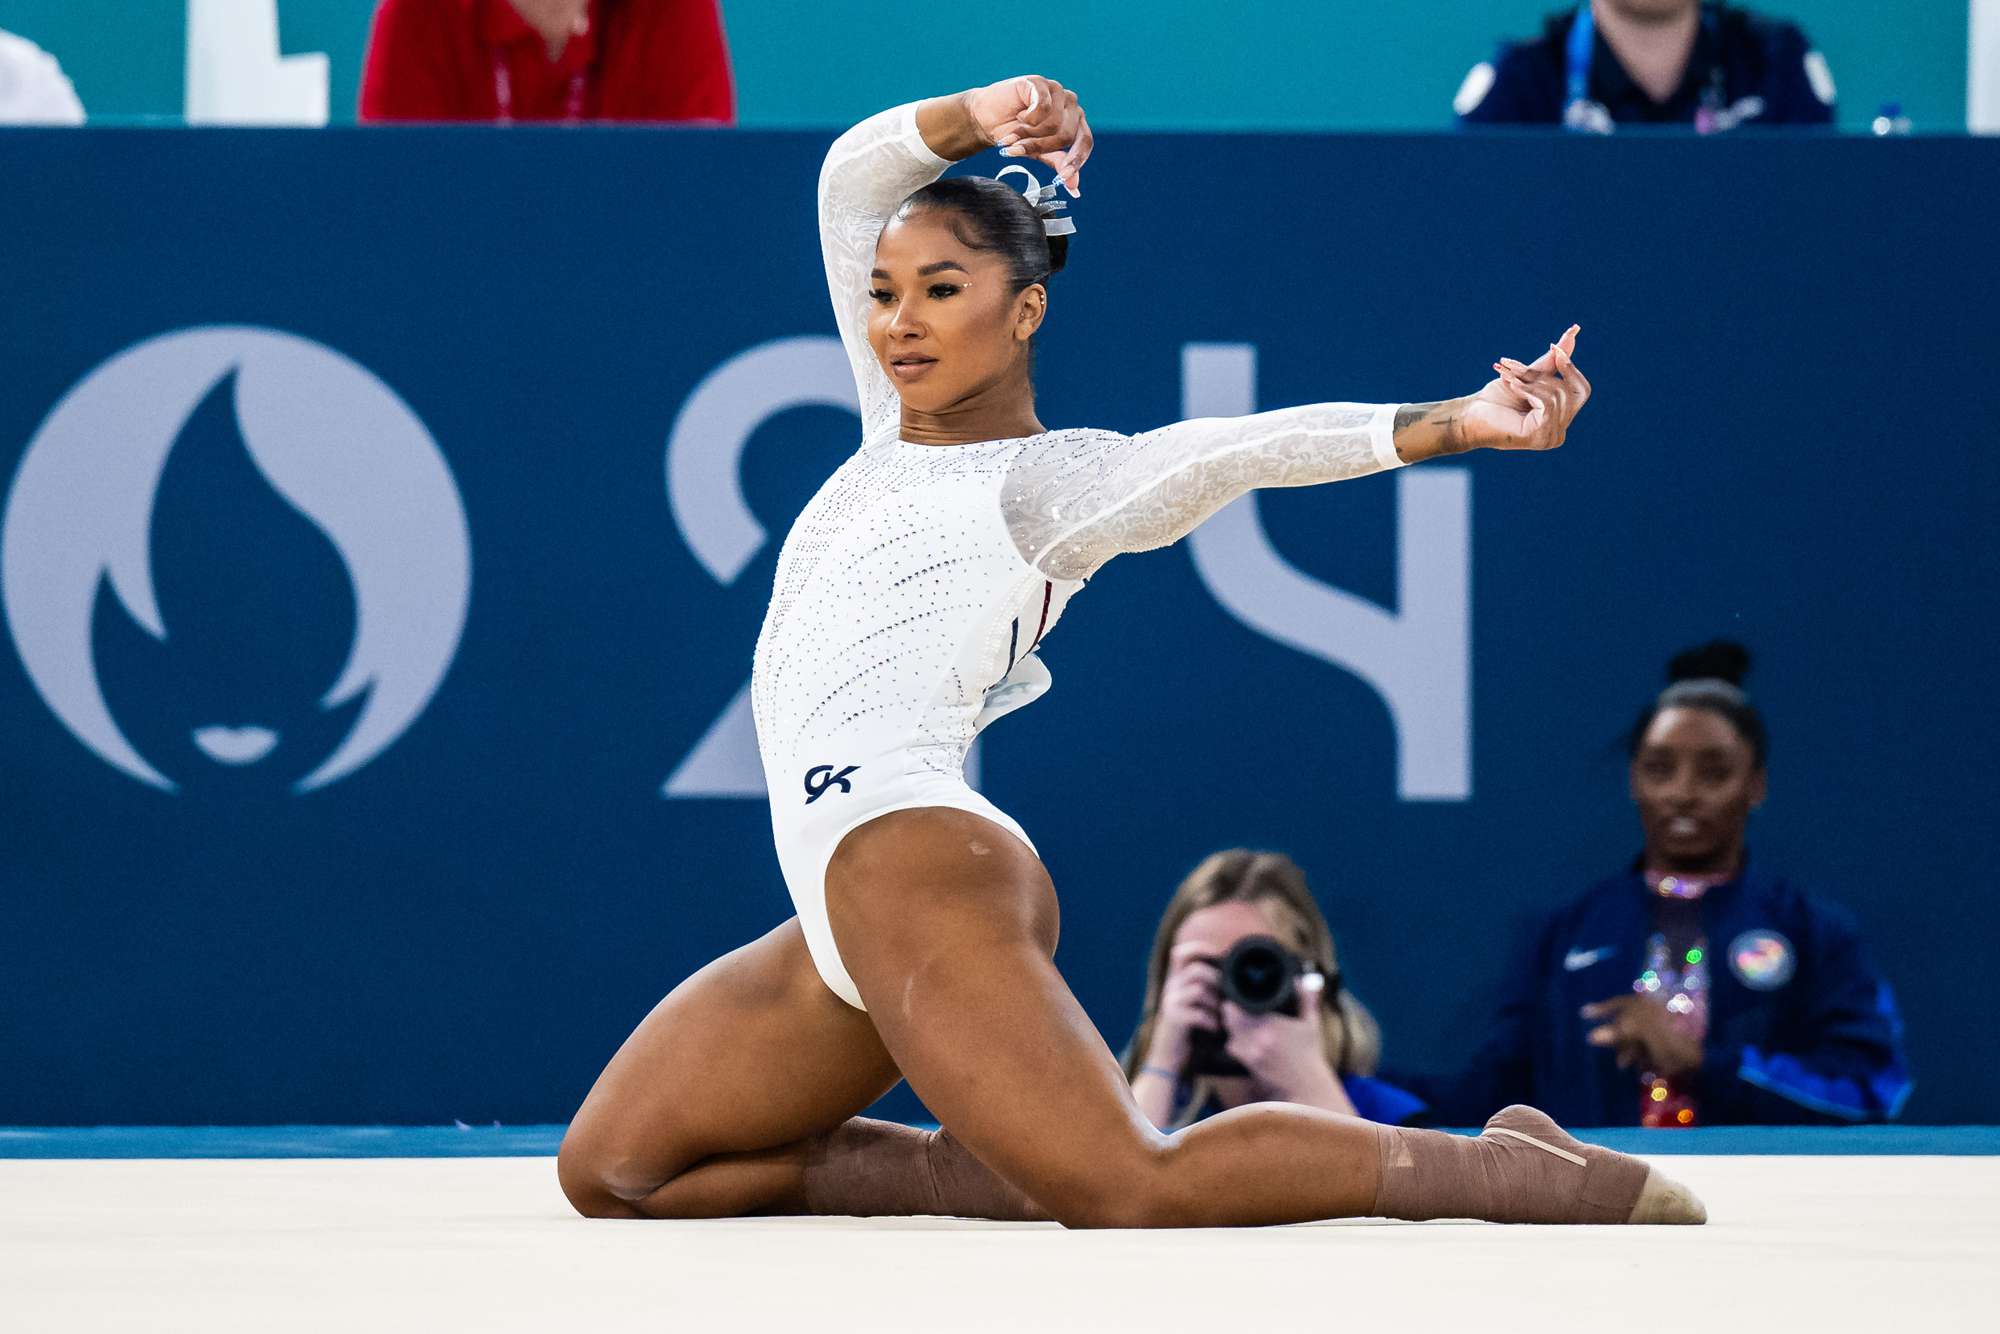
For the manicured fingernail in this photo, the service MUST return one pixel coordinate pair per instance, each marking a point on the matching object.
(1006, 140)
(1011, 150)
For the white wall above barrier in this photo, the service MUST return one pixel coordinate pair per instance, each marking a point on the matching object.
(1982, 81)
(235, 74)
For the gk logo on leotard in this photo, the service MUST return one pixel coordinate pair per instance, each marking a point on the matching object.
(821, 777)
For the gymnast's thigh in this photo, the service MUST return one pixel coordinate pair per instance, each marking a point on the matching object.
(948, 926)
(752, 1052)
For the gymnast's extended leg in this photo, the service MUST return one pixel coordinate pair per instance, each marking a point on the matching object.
(947, 923)
(737, 1095)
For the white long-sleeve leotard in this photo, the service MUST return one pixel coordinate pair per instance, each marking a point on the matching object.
(915, 587)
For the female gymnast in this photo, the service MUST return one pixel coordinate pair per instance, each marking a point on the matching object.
(910, 597)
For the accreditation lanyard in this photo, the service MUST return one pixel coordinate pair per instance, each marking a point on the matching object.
(503, 92)
(1580, 113)
(1582, 44)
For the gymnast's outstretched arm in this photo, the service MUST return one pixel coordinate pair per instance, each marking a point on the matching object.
(1071, 515)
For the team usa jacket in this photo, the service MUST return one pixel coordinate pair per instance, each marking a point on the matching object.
(1801, 1028)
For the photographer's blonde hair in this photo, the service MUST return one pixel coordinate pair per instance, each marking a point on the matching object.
(1274, 882)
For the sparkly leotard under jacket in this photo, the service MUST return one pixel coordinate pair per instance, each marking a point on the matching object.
(915, 587)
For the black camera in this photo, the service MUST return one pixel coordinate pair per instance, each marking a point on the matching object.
(1260, 975)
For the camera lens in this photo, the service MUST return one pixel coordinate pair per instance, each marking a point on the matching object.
(1260, 975)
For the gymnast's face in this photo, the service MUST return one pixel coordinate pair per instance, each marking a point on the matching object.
(946, 324)
(1696, 780)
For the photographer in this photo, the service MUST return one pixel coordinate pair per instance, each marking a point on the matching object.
(1244, 1003)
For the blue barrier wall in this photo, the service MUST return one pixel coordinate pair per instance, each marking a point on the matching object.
(429, 569)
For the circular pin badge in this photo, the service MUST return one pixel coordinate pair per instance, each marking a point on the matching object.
(1762, 960)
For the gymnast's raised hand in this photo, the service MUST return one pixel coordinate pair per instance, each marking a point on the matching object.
(1033, 117)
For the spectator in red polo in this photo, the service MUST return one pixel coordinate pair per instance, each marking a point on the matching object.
(547, 60)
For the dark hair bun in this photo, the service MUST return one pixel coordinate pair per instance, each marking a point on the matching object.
(1058, 252)
(1718, 659)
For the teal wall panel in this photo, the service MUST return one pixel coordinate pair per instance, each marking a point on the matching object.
(1144, 64)
(126, 58)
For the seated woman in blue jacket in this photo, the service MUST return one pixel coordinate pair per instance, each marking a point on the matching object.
(1244, 1003)
(1695, 988)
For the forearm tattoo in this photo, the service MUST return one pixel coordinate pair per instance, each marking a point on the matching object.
(1441, 417)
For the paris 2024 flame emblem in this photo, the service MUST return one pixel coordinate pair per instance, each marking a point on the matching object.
(234, 556)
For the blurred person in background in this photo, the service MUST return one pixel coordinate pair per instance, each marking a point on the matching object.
(1652, 62)
(547, 60)
(1245, 1003)
(33, 88)
(1694, 988)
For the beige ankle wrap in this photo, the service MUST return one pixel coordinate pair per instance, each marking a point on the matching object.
(1522, 1168)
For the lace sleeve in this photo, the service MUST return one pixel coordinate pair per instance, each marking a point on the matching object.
(869, 171)
(1077, 507)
